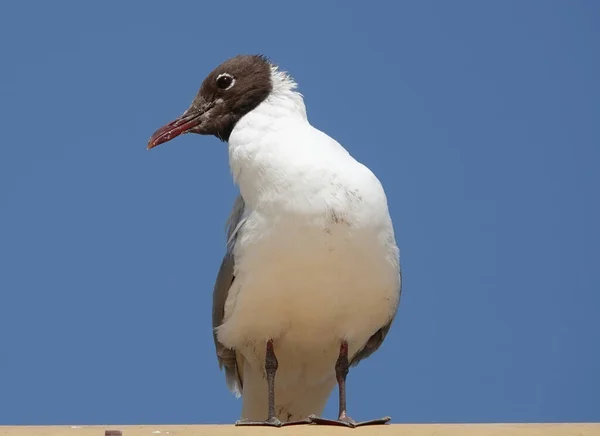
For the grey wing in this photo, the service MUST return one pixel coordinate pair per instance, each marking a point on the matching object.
(225, 277)
(376, 339)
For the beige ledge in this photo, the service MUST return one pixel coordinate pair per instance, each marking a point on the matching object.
(313, 430)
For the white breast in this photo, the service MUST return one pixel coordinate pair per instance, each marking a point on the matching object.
(307, 285)
(316, 260)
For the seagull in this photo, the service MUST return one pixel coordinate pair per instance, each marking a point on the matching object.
(310, 282)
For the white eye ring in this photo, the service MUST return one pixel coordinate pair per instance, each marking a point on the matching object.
(226, 75)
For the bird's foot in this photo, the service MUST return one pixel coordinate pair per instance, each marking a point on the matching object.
(271, 422)
(346, 421)
(299, 422)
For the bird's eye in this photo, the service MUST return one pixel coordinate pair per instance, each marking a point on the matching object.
(225, 81)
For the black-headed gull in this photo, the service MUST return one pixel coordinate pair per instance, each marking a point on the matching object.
(311, 280)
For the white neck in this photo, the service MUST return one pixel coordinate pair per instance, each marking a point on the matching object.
(255, 136)
(283, 102)
(284, 96)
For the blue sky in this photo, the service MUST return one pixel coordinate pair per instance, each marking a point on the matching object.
(480, 118)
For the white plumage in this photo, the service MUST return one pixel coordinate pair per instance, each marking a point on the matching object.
(310, 282)
(315, 260)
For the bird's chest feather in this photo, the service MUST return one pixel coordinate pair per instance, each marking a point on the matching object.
(302, 283)
(315, 260)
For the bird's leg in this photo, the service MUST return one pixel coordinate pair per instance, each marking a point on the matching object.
(271, 365)
(341, 372)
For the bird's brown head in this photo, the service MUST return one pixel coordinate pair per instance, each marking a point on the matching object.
(229, 92)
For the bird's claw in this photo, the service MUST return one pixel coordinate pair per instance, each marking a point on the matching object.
(346, 421)
(299, 422)
(271, 422)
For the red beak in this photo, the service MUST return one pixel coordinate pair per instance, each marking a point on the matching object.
(183, 124)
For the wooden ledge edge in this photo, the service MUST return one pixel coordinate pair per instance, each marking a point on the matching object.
(504, 429)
